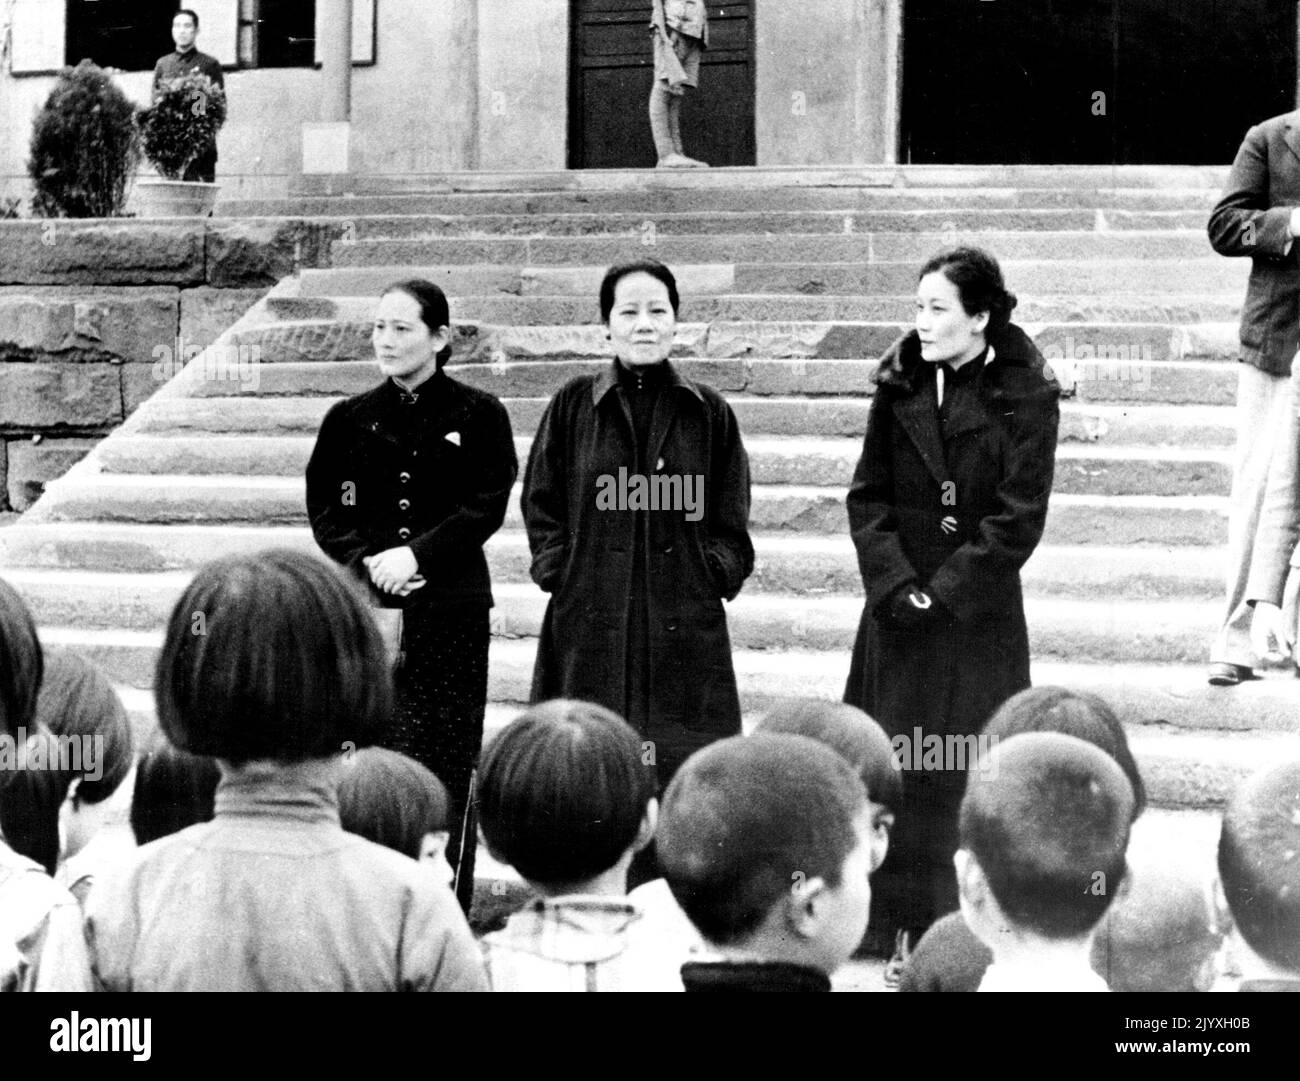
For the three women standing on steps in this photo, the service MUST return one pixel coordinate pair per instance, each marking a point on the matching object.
(404, 487)
(948, 501)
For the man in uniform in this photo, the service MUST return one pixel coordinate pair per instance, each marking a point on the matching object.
(187, 60)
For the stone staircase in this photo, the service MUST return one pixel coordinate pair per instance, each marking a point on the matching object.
(792, 283)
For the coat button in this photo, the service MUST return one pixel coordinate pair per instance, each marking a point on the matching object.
(404, 478)
(668, 549)
(404, 533)
(672, 626)
(403, 504)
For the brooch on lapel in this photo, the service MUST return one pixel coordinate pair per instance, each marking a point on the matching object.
(453, 437)
(949, 524)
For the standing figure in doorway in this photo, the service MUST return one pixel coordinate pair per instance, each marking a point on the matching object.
(187, 60)
(948, 501)
(680, 30)
(404, 487)
(636, 501)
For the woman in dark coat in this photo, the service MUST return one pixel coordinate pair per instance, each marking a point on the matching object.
(948, 501)
(406, 484)
(636, 500)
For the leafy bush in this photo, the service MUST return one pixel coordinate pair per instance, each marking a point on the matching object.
(84, 147)
(182, 123)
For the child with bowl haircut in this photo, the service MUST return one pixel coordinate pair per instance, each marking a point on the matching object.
(1259, 878)
(765, 841)
(272, 665)
(1044, 830)
(567, 797)
(841, 727)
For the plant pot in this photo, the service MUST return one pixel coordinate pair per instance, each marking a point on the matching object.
(157, 198)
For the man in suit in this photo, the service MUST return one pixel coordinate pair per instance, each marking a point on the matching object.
(187, 60)
(1259, 216)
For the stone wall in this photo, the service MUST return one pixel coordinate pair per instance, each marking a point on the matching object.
(96, 315)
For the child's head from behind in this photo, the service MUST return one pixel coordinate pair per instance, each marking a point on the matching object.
(765, 842)
(1072, 713)
(271, 656)
(1259, 866)
(860, 741)
(565, 794)
(22, 663)
(173, 790)
(396, 802)
(1044, 831)
(79, 706)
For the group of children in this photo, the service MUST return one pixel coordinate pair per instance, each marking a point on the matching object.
(260, 843)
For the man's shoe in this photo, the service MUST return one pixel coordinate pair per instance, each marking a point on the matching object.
(675, 161)
(1224, 674)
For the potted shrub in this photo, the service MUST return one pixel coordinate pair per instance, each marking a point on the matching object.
(181, 125)
(84, 147)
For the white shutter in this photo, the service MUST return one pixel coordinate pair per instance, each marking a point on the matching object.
(218, 28)
(39, 32)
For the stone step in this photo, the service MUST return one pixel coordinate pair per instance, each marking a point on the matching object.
(1181, 382)
(699, 283)
(648, 226)
(347, 338)
(503, 309)
(1103, 631)
(785, 563)
(172, 499)
(1080, 469)
(835, 239)
(1193, 765)
(1118, 425)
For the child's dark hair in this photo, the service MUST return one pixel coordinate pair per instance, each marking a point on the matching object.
(78, 714)
(617, 273)
(979, 283)
(1047, 818)
(271, 655)
(845, 729)
(22, 663)
(563, 791)
(191, 13)
(1073, 713)
(390, 799)
(173, 790)
(1259, 868)
(435, 312)
(746, 817)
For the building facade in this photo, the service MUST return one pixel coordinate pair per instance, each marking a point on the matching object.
(449, 85)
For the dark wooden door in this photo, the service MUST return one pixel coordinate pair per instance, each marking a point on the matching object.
(1092, 81)
(611, 72)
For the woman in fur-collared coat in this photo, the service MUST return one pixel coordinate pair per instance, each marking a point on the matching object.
(948, 501)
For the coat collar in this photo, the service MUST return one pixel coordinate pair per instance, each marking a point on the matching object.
(1292, 136)
(608, 380)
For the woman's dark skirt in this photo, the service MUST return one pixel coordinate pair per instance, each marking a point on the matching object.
(441, 685)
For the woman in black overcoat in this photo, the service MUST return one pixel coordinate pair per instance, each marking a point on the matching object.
(635, 621)
(947, 503)
(405, 485)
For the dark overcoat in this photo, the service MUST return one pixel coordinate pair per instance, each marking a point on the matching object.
(958, 513)
(434, 475)
(584, 557)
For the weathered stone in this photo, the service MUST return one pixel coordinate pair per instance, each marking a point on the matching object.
(33, 464)
(63, 252)
(80, 323)
(261, 251)
(140, 382)
(207, 313)
(69, 395)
